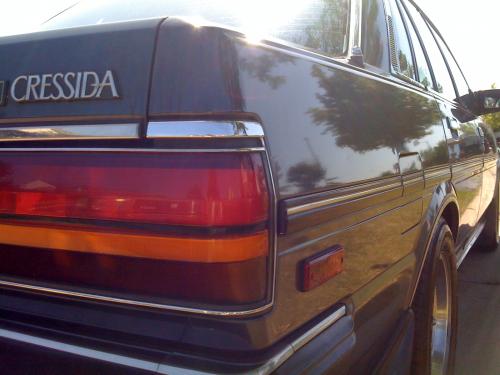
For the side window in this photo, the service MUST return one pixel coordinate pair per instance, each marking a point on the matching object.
(402, 44)
(460, 82)
(423, 71)
(374, 35)
(441, 74)
(322, 26)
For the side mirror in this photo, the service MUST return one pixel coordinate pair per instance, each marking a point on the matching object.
(488, 101)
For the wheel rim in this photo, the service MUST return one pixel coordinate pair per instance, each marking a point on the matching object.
(441, 317)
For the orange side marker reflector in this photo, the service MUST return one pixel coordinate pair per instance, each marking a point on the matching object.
(322, 267)
(204, 250)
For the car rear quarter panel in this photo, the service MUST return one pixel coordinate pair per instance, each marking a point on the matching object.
(334, 134)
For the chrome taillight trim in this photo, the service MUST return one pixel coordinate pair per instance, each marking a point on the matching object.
(155, 129)
(124, 301)
(69, 132)
(247, 129)
(204, 129)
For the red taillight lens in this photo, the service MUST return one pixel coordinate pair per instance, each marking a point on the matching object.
(206, 189)
(182, 216)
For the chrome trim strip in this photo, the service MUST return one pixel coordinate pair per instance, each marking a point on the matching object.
(300, 342)
(273, 230)
(94, 354)
(472, 239)
(131, 150)
(68, 132)
(204, 129)
(342, 198)
(413, 178)
(161, 368)
(440, 172)
(124, 301)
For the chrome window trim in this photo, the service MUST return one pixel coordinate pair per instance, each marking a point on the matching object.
(130, 150)
(204, 129)
(161, 368)
(69, 132)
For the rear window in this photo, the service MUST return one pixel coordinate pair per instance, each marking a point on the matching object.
(318, 25)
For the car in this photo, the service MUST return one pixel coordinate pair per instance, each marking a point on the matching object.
(239, 187)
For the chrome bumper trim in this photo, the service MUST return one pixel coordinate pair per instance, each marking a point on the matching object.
(92, 353)
(69, 132)
(300, 342)
(160, 368)
(204, 129)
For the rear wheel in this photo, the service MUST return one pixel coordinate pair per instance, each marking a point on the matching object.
(435, 307)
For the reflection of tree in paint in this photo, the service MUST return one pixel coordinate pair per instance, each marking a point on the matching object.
(306, 175)
(261, 67)
(355, 111)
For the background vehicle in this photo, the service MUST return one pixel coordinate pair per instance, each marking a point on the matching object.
(177, 195)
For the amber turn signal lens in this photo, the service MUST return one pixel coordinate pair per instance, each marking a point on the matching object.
(203, 250)
(322, 267)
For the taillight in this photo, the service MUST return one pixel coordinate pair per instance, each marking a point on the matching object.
(157, 226)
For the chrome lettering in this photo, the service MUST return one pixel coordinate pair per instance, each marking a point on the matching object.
(13, 89)
(64, 86)
(78, 85)
(45, 83)
(108, 81)
(94, 85)
(69, 85)
(33, 83)
(57, 85)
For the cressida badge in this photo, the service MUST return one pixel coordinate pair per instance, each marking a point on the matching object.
(58, 87)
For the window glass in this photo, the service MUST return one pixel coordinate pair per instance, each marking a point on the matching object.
(403, 49)
(424, 74)
(460, 82)
(443, 79)
(374, 36)
(319, 25)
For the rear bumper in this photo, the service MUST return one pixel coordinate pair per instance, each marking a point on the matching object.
(326, 345)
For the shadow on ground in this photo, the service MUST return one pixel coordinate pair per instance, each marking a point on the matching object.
(478, 351)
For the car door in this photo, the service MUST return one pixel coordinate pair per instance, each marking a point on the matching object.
(490, 167)
(465, 147)
(486, 136)
(468, 176)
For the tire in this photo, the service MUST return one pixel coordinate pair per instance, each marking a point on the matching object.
(489, 239)
(439, 277)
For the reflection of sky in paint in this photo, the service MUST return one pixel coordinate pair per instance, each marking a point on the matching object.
(470, 29)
